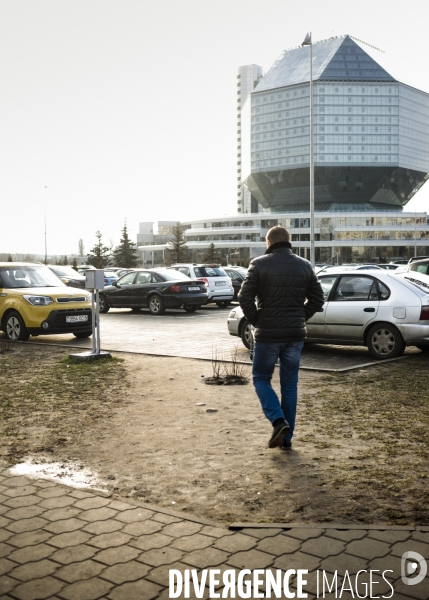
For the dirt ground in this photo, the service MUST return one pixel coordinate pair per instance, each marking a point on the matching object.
(150, 428)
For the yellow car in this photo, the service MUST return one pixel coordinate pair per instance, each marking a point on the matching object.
(34, 301)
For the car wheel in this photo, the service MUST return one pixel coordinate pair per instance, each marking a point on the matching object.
(156, 305)
(223, 303)
(104, 305)
(423, 347)
(82, 334)
(246, 332)
(191, 307)
(385, 341)
(15, 328)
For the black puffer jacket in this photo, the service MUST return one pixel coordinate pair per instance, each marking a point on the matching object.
(287, 291)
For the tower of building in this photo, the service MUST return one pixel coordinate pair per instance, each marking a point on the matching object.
(247, 78)
(370, 133)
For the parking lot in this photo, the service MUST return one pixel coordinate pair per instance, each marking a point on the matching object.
(200, 335)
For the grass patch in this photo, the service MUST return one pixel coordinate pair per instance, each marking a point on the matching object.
(46, 400)
(380, 418)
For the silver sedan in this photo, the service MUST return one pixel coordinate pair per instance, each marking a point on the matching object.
(380, 310)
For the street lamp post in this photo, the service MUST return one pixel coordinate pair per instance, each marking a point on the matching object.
(44, 218)
(308, 42)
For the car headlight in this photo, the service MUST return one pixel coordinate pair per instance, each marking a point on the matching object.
(232, 314)
(38, 300)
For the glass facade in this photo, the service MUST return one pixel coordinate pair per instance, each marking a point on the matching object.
(371, 141)
(247, 78)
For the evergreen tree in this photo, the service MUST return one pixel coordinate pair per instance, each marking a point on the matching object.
(125, 255)
(177, 250)
(9, 258)
(212, 255)
(74, 263)
(99, 255)
(65, 260)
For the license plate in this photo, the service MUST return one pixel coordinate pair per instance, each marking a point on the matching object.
(194, 289)
(220, 282)
(76, 318)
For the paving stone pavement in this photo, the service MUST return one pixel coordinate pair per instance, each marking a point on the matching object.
(58, 542)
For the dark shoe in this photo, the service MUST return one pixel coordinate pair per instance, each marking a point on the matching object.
(286, 445)
(279, 432)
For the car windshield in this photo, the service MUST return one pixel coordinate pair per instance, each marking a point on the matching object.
(64, 271)
(209, 272)
(28, 277)
(172, 275)
(109, 274)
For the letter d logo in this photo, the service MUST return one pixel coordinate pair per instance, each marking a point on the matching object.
(410, 568)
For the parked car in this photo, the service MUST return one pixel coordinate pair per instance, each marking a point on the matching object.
(82, 268)
(121, 272)
(414, 258)
(219, 286)
(388, 266)
(237, 275)
(157, 289)
(109, 277)
(68, 276)
(33, 301)
(421, 266)
(381, 310)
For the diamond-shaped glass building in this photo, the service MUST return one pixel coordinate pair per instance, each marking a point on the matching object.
(370, 132)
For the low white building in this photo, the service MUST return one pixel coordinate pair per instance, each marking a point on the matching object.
(340, 235)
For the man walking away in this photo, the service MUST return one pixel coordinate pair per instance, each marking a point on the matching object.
(288, 294)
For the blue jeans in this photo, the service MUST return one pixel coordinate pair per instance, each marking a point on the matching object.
(264, 359)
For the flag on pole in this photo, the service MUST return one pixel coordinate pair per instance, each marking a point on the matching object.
(307, 41)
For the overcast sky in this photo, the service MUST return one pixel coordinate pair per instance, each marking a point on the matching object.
(126, 109)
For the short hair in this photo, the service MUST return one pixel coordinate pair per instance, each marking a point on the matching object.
(278, 234)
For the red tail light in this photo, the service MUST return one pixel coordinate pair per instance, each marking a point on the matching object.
(175, 289)
(206, 281)
(424, 315)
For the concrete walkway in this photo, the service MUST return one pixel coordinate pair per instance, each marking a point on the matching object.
(59, 542)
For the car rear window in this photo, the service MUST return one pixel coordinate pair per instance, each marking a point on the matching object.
(209, 272)
(64, 271)
(420, 268)
(172, 275)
